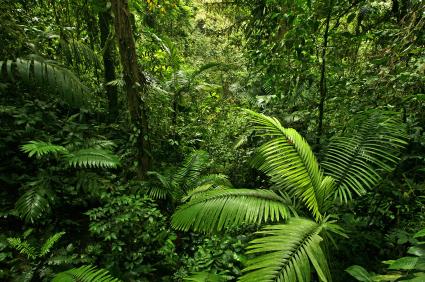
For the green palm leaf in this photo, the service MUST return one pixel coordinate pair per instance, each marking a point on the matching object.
(33, 204)
(93, 157)
(48, 75)
(287, 252)
(164, 189)
(356, 158)
(40, 148)
(220, 208)
(191, 169)
(85, 273)
(290, 162)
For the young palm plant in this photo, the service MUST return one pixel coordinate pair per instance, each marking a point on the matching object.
(179, 184)
(289, 250)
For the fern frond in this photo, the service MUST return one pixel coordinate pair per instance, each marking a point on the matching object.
(40, 148)
(355, 158)
(289, 161)
(32, 204)
(93, 157)
(85, 273)
(45, 249)
(286, 253)
(221, 208)
(48, 75)
(23, 247)
(191, 169)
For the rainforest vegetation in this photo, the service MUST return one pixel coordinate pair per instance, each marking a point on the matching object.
(212, 140)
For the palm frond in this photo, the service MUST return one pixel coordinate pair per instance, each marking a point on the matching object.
(221, 208)
(286, 253)
(45, 249)
(48, 75)
(32, 204)
(85, 273)
(356, 158)
(40, 148)
(93, 157)
(164, 189)
(23, 247)
(191, 169)
(289, 161)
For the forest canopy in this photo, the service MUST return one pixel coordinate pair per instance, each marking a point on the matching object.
(211, 140)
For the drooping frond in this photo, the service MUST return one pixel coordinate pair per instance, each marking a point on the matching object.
(23, 247)
(85, 273)
(32, 204)
(289, 161)
(93, 157)
(356, 158)
(191, 169)
(163, 189)
(48, 75)
(40, 148)
(45, 249)
(286, 252)
(221, 208)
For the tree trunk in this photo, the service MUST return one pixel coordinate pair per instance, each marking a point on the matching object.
(322, 85)
(108, 47)
(135, 82)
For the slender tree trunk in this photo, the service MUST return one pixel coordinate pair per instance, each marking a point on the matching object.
(108, 47)
(135, 81)
(322, 85)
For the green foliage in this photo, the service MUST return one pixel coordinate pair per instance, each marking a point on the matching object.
(216, 209)
(36, 71)
(92, 157)
(286, 253)
(369, 146)
(85, 273)
(40, 148)
(132, 233)
(407, 268)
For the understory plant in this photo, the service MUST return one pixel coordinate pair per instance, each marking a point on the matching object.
(303, 198)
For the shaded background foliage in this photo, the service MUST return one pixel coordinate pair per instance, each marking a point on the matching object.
(203, 61)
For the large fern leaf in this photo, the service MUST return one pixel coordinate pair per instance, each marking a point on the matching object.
(286, 253)
(40, 148)
(48, 75)
(217, 209)
(289, 161)
(93, 157)
(85, 273)
(357, 158)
